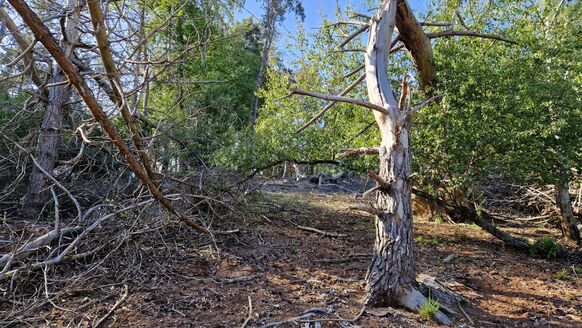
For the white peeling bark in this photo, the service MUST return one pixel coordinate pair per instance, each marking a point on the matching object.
(391, 275)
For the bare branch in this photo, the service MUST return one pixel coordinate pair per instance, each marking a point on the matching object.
(24, 53)
(354, 35)
(450, 33)
(23, 43)
(461, 20)
(358, 152)
(359, 68)
(383, 184)
(98, 21)
(341, 99)
(412, 110)
(329, 106)
(371, 191)
(435, 24)
(350, 50)
(349, 22)
(361, 15)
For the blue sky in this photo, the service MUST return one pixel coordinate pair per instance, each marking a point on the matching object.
(314, 9)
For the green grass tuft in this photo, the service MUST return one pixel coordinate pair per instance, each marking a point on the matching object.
(563, 275)
(429, 309)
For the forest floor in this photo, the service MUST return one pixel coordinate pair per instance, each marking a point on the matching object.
(285, 271)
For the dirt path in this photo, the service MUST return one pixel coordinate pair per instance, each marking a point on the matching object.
(283, 270)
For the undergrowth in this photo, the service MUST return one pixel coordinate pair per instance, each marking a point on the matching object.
(546, 248)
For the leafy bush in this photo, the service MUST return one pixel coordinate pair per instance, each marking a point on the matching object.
(546, 248)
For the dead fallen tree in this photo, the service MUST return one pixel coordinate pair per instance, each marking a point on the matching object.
(484, 220)
(35, 244)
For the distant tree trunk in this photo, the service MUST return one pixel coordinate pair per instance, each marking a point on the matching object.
(49, 137)
(567, 220)
(270, 30)
(47, 147)
(562, 188)
(299, 173)
(285, 168)
(23, 44)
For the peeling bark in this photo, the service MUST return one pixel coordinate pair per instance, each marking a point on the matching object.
(391, 277)
(392, 269)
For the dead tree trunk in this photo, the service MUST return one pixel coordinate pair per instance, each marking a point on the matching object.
(391, 277)
(567, 220)
(49, 137)
(483, 219)
(47, 147)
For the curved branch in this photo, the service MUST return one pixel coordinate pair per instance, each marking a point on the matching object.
(329, 106)
(98, 22)
(358, 152)
(352, 36)
(450, 33)
(348, 100)
(417, 42)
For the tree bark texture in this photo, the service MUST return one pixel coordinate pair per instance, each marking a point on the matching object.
(391, 277)
(49, 138)
(392, 269)
(418, 44)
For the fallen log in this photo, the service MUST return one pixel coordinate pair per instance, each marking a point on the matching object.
(484, 219)
(37, 243)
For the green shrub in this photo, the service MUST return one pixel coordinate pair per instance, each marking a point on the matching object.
(562, 275)
(433, 242)
(546, 247)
